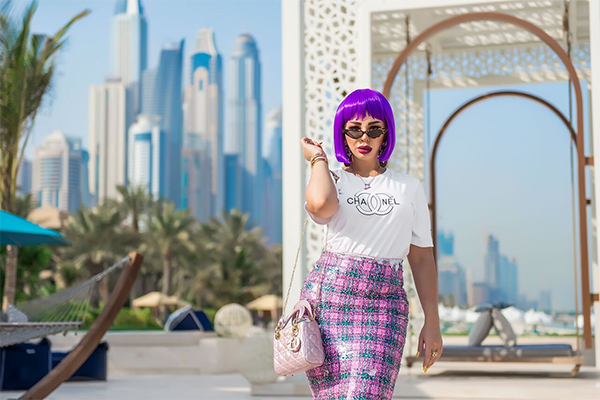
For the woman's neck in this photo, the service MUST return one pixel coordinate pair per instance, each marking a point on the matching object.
(365, 169)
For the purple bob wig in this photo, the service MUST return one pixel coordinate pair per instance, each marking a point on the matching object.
(359, 104)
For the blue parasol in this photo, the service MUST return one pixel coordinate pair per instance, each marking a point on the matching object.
(17, 231)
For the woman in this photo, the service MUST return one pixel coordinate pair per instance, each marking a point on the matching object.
(376, 217)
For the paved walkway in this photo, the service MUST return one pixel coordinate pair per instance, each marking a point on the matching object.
(450, 381)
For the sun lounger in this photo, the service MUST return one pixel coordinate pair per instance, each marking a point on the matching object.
(533, 353)
(509, 351)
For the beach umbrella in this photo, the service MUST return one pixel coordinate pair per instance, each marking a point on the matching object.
(267, 302)
(49, 217)
(157, 299)
(457, 314)
(471, 316)
(17, 231)
(513, 314)
(444, 312)
(533, 317)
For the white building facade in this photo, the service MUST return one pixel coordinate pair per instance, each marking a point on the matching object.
(129, 41)
(330, 50)
(60, 173)
(245, 128)
(203, 127)
(147, 155)
(108, 110)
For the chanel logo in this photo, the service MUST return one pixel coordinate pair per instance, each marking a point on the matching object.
(373, 203)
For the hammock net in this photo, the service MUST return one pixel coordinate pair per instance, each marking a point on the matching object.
(56, 313)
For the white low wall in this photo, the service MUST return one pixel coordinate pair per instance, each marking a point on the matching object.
(161, 352)
(187, 352)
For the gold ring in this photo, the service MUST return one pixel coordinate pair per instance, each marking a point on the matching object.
(434, 353)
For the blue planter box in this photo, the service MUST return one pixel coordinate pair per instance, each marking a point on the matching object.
(23, 365)
(93, 369)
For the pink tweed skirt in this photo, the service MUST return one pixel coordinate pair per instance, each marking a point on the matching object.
(363, 317)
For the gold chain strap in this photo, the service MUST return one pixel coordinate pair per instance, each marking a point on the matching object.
(294, 270)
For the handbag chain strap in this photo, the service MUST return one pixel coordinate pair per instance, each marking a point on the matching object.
(296, 263)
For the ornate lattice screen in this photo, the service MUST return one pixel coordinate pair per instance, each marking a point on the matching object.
(472, 54)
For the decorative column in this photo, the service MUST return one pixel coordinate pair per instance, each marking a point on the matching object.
(595, 144)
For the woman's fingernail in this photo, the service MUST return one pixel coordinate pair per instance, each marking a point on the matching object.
(418, 352)
(425, 369)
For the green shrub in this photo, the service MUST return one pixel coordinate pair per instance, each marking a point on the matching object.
(127, 319)
(210, 313)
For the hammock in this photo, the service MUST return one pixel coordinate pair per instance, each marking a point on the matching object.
(56, 313)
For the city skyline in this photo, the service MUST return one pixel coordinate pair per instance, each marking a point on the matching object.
(509, 176)
(524, 208)
(147, 114)
(66, 108)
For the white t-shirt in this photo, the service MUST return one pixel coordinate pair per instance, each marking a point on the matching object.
(382, 221)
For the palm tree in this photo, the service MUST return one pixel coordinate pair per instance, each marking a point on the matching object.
(170, 231)
(98, 239)
(235, 261)
(26, 75)
(135, 201)
(23, 205)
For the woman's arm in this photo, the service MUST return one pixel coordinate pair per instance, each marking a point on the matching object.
(422, 265)
(321, 193)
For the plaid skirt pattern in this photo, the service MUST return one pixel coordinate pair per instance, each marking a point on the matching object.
(363, 317)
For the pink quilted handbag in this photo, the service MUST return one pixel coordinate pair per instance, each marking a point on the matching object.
(297, 344)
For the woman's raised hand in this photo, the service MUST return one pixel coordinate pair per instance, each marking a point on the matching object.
(310, 148)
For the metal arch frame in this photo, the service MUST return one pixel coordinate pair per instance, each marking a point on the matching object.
(587, 298)
(459, 111)
(464, 107)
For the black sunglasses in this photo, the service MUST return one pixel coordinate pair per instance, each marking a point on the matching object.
(356, 133)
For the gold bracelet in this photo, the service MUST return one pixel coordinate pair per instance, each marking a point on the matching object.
(313, 162)
(316, 155)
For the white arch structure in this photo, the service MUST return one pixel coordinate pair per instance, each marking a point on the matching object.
(333, 47)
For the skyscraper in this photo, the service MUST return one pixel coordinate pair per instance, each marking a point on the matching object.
(272, 175)
(147, 155)
(452, 280)
(161, 96)
(24, 178)
(492, 266)
(107, 139)
(59, 173)
(508, 282)
(244, 136)
(480, 292)
(445, 244)
(148, 98)
(232, 193)
(129, 41)
(129, 51)
(501, 274)
(203, 116)
(545, 303)
(197, 178)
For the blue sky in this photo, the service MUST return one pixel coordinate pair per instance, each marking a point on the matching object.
(86, 58)
(503, 166)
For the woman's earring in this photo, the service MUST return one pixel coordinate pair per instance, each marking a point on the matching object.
(382, 148)
(348, 152)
